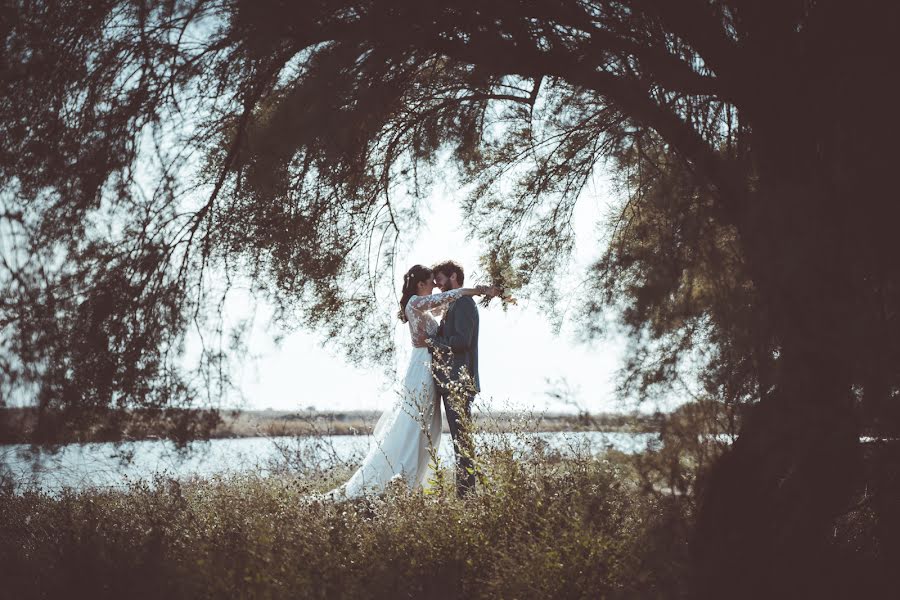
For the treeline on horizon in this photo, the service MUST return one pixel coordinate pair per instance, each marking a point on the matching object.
(18, 425)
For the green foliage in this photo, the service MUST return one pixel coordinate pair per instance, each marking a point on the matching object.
(94, 275)
(539, 529)
(312, 134)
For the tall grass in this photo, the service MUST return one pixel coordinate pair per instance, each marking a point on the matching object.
(540, 526)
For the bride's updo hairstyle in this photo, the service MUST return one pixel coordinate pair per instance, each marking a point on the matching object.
(412, 278)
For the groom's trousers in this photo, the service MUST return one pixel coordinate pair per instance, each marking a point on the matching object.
(458, 407)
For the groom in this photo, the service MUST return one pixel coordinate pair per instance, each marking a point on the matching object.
(455, 349)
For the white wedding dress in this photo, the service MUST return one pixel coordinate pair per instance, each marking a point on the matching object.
(407, 433)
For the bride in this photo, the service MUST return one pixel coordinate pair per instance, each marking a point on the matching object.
(407, 432)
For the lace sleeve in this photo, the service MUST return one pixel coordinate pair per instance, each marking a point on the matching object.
(428, 303)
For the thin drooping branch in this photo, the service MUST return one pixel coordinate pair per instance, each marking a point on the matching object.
(259, 88)
(631, 96)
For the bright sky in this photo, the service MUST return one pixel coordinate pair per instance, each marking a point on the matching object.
(518, 352)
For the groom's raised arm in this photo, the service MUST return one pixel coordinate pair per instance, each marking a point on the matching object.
(465, 316)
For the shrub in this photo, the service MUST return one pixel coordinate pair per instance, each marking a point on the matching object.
(540, 526)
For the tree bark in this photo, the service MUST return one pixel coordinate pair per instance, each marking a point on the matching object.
(768, 507)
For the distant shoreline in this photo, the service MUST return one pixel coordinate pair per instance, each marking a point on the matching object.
(255, 423)
(17, 424)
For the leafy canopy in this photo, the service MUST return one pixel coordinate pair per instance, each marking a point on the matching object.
(152, 146)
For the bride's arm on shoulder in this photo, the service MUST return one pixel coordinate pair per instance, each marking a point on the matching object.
(434, 301)
(467, 317)
(482, 290)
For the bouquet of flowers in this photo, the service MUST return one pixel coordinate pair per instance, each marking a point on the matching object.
(501, 272)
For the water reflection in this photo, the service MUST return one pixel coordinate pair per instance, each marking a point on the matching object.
(109, 465)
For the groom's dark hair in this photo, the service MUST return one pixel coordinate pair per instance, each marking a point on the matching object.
(448, 268)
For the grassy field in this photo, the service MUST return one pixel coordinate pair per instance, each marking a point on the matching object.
(541, 525)
(537, 528)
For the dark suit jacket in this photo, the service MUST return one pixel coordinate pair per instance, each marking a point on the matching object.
(457, 340)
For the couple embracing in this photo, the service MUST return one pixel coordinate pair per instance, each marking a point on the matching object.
(443, 369)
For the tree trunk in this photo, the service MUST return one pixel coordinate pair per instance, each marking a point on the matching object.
(768, 507)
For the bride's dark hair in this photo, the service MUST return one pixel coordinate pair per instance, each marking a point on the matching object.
(415, 274)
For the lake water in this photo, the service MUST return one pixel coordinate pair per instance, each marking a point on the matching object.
(113, 465)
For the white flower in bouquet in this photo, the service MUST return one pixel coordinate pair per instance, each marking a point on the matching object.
(500, 271)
